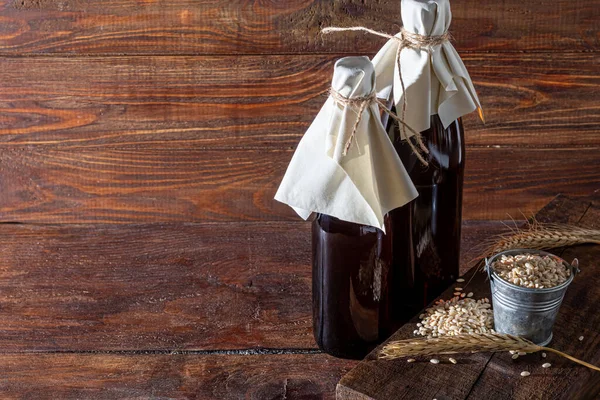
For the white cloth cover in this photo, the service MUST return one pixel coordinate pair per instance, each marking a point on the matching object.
(436, 81)
(361, 186)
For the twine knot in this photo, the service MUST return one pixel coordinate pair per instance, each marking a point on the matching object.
(360, 104)
(416, 41)
(406, 39)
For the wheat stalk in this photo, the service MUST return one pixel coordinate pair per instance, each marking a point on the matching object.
(472, 343)
(543, 237)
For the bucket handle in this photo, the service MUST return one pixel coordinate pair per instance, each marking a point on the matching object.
(488, 269)
(575, 266)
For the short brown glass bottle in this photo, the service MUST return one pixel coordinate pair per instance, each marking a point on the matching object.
(426, 232)
(351, 292)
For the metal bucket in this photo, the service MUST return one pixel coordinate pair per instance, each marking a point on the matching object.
(526, 312)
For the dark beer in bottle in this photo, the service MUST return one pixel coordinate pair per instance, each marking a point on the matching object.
(426, 232)
(351, 291)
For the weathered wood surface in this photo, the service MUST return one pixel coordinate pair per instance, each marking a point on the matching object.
(49, 185)
(543, 100)
(241, 27)
(497, 376)
(162, 286)
(142, 139)
(169, 376)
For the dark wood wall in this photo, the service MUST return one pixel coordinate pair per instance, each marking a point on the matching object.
(141, 144)
(154, 111)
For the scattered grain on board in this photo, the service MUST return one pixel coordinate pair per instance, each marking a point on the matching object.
(458, 289)
(515, 356)
(460, 280)
(434, 361)
(581, 338)
(457, 316)
(543, 355)
(452, 360)
(411, 360)
(546, 365)
(470, 294)
(531, 270)
(525, 373)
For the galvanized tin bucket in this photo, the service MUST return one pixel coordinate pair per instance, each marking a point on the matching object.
(525, 312)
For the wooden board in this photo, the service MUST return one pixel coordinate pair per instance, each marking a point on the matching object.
(530, 100)
(578, 316)
(239, 27)
(169, 376)
(162, 287)
(48, 185)
(497, 376)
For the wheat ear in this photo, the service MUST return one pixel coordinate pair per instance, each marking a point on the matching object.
(544, 236)
(473, 343)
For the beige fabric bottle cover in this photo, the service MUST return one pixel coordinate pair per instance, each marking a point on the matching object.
(435, 78)
(345, 165)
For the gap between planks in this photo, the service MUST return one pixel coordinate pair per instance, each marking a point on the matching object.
(242, 352)
(284, 148)
(307, 54)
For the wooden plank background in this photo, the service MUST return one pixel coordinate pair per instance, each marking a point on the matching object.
(289, 26)
(145, 111)
(141, 143)
(162, 287)
(178, 311)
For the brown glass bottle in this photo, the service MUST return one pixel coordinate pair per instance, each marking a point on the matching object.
(426, 232)
(351, 267)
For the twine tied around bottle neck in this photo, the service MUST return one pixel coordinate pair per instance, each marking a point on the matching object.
(408, 40)
(362, 103)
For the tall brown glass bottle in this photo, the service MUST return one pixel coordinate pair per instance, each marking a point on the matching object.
(351, 291)
(426, 232)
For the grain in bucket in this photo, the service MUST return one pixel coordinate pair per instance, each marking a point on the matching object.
(523, 311)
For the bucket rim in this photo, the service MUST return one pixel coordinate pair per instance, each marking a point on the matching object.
(493, 274)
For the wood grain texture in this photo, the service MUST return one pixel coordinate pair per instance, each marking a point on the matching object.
(48, 185)
(155, 287)
(251, 27)
(162, 287)
(542, 100)
(503, 182)
(169, 376)
(268, 102)
(496, 376)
